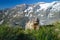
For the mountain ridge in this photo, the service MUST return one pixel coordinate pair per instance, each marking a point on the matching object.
(47, 13)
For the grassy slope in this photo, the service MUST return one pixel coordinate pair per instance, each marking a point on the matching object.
(47, 32)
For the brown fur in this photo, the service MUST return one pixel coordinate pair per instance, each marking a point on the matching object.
(32, 25)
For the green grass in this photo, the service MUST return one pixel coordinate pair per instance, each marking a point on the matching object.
(46, 32)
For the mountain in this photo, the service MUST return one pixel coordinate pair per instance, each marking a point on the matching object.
(47, 13)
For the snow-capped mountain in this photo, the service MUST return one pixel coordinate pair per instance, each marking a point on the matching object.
(47, 13)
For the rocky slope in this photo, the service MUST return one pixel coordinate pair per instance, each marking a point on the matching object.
(47, 13)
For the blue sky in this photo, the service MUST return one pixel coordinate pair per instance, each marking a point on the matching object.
(11, 3)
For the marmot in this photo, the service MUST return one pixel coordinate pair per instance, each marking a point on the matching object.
(33, 24)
